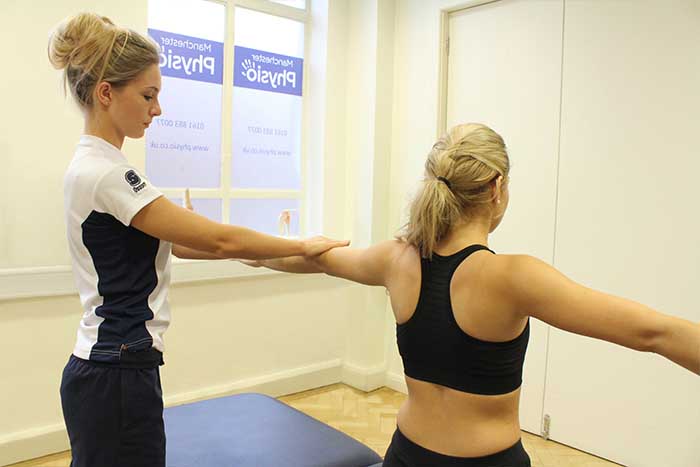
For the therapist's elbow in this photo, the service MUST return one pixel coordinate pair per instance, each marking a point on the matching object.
(178, 252)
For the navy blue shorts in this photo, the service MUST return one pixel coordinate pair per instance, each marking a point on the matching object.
(114, 416)
(403, 452)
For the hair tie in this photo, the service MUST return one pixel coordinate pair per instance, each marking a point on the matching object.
(445, 181)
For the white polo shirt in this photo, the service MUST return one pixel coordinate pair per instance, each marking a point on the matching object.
(122, 274)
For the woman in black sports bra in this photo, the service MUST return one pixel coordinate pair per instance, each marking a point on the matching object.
(462, 312)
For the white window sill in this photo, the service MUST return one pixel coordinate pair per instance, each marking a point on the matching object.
(52, 281)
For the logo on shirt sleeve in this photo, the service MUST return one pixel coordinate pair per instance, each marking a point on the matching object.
(135, 181)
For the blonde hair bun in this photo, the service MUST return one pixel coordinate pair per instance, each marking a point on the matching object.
(75, 40)
(90, 48)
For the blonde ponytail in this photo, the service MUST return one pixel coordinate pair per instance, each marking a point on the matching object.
(458, 175)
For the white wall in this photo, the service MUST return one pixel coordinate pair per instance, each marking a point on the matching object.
(370, 54)
(276, 333)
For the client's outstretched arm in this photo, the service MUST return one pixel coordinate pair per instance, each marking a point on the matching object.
(295, 264)
(368, 266)
(544, 293)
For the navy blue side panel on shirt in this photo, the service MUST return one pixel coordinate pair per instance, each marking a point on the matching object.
(435, 349)
(124, 259)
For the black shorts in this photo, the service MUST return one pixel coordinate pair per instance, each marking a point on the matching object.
(114, 416)
(403, 452)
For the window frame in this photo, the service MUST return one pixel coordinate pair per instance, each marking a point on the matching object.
(225, 193)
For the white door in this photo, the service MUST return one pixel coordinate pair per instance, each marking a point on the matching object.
(628, 223)
(504, 70)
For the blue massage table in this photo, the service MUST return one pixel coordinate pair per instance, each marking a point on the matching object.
(254, 430)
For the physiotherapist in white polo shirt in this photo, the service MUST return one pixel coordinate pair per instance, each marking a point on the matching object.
(121, 231)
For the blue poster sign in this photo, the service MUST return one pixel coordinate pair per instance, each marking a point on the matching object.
(189, 57)
(267, 71)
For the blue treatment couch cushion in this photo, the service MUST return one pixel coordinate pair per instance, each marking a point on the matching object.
(254, 430)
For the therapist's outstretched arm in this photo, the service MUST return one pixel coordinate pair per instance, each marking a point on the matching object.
(165, 220)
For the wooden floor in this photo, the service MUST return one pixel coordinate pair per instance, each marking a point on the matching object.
(371, 419)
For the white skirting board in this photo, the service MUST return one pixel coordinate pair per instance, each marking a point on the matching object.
(396, 381)
(364, 379)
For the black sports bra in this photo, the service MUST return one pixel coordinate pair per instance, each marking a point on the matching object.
(435, 349)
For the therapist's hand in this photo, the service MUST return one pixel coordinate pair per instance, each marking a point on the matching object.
(317, 245)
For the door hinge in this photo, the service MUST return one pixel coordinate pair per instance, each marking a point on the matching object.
(545, 426)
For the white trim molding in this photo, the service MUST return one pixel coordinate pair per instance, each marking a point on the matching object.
(37, 442)
(363, 378)
(53, 281)
(396, 382)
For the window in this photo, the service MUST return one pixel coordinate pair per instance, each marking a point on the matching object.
(231, 128)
